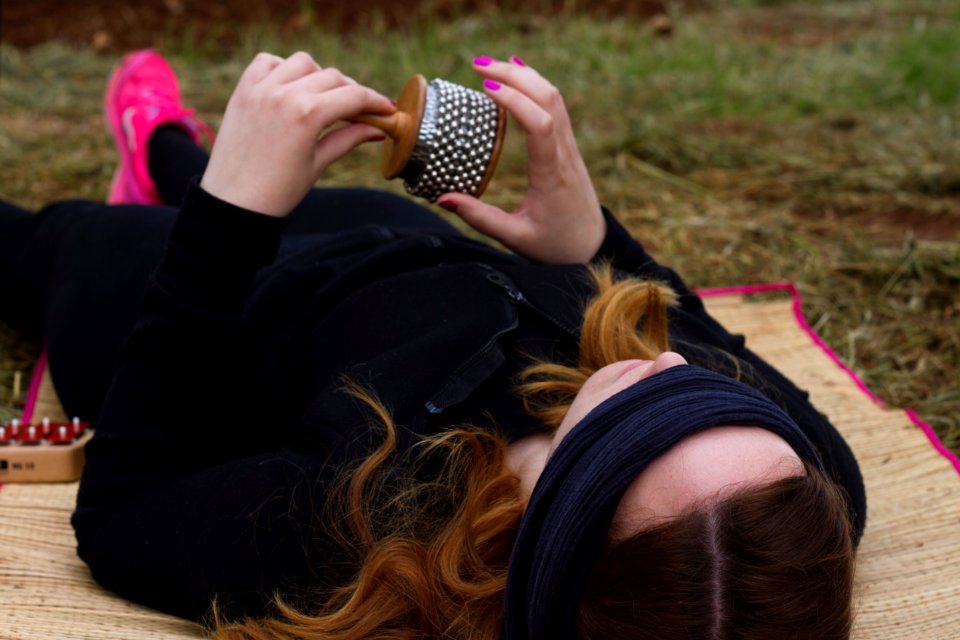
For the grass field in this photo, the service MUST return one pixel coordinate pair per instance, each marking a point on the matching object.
(808, 141)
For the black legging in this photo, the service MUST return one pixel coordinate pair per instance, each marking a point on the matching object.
(74, 272)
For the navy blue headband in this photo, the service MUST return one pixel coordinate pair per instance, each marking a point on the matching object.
(565, 525)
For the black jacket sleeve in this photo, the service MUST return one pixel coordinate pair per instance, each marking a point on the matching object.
(179, 501)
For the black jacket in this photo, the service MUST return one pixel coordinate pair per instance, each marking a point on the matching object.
(226, 421)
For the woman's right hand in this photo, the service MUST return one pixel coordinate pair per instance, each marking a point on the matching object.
(273, 143)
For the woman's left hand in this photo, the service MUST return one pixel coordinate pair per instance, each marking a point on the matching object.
(559, 219)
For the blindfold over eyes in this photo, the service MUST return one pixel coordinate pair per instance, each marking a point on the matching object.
(565, 525)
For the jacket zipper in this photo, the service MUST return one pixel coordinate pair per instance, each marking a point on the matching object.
(441, 400)
(501, 280)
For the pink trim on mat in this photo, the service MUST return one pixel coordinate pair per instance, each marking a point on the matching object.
(34, 391)
(791, 288)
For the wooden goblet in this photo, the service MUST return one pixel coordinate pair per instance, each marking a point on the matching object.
(443, 137)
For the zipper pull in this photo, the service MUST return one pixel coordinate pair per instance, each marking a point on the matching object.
(504, 282)
(507, 285)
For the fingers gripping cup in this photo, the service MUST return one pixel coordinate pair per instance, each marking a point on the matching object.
(443, 137)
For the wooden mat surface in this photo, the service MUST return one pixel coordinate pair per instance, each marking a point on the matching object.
(908, 577)
(908, 573)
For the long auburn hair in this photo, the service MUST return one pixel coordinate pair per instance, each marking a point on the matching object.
(774, 561)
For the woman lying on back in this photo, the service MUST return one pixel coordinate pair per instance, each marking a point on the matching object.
(334, 416)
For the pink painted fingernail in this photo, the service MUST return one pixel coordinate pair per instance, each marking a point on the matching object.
(517, 61)
(490, 84)
(449, 205)
(483, 61)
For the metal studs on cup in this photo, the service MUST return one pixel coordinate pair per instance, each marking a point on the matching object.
(457, 137)
(442, 137)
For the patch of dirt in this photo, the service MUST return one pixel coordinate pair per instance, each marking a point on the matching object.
(116, 25)
(799, 27)
(892, 222)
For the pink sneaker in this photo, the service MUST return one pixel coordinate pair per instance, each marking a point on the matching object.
(143, 94)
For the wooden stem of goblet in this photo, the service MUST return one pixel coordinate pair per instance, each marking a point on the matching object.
(402, 127)
(396, 125)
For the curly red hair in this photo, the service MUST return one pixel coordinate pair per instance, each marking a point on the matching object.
(771, 561)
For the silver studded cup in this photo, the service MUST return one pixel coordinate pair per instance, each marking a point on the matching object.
(444, 137)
